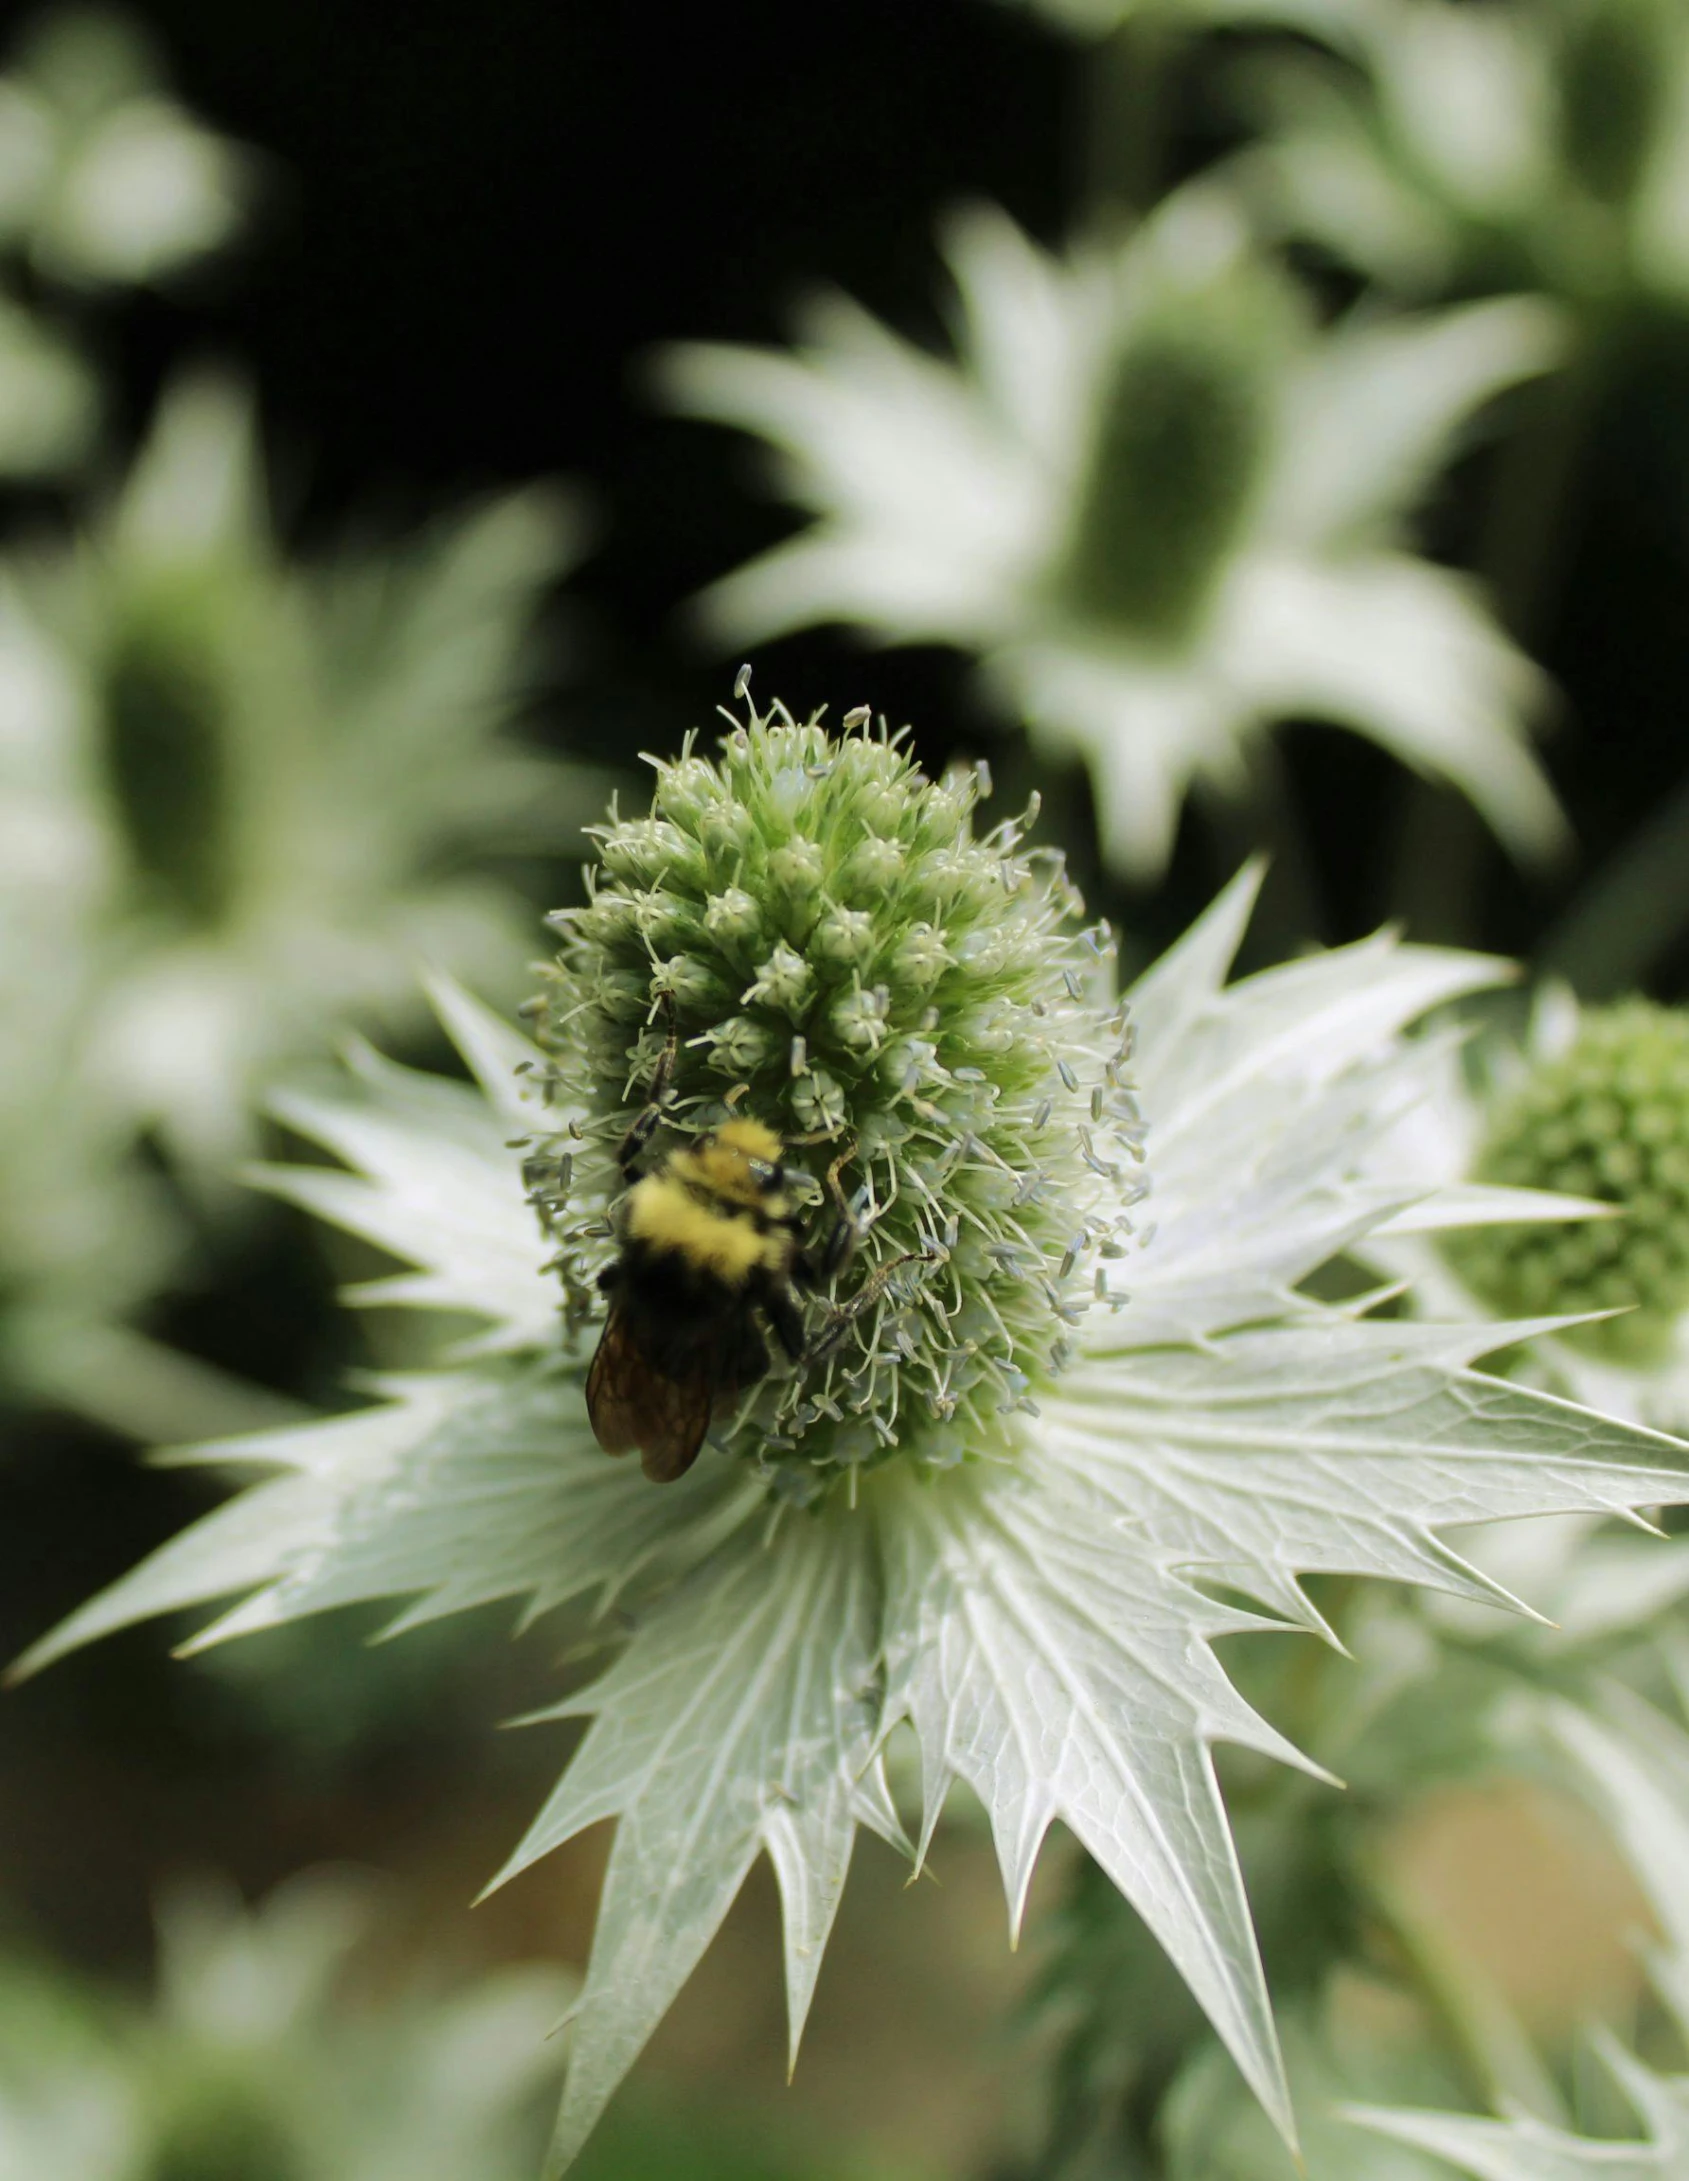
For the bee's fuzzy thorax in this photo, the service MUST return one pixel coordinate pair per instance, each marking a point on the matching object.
(667, 1217)
(751, 1139)
(736, 1164)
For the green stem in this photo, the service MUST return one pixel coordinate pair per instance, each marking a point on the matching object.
(1128, 97)
(1526, 545)
(1482, 2032)
(1264, 819)
(1528, 537)
(1441, 858)
(1630, 913)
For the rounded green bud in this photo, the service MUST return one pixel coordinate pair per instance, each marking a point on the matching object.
(784, 983)
(845, 938)
(1613, 68)
(1179, 444)
(1608, 1119)
(733, 917)
(164, 690)
(907, 1007)
(220, 2131)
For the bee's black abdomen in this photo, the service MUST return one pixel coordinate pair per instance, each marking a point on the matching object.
(682, 1317)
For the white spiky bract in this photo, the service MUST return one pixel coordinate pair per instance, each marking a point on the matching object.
(1044, 1615)
(952, 503)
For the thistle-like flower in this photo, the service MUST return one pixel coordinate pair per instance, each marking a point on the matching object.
(253, 2064)
(279, 785)
(1160, 509)
(1575, 1156)
(1491, 146)
(1050, 1426)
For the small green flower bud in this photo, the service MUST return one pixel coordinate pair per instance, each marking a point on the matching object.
(660, 916)
(732, 917)
(872, 869)
(1608, 1119)
(921, 957)
(844, 939)
(784, 981)
(622, 996)
(643, 851)
(687, 790)
(798, 869)
(740, 1047)
(690, 983)
(859, 1019)
(819, 1103)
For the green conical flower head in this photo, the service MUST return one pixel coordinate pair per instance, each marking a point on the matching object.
(1613, 71)
(164, 714)
(1183, 430)
(1608, 1119)
(222, 2132)
(836, 955)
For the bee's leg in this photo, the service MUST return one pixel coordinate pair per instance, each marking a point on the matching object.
(780, 1308)
(842, 1316)
(818, 1267)
(646, 1121)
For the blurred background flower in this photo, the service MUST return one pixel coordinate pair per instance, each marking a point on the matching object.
(105, 180)
(256, 2062)
(1161, 509)
(287, 776)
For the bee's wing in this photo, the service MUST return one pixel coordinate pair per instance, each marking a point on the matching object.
(630, 1404)
(613, 1386)
(677, 1415)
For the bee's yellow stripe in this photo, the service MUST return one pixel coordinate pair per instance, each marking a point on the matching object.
(666, 1216)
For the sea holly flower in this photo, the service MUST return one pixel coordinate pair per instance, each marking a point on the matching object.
(1160, 508)
(1632, 1762)
(1064, 1411)
(255, 2063)
(282, 783)
(1491, 146)
(104, 180)
(89, 1231)
(1574, 1153)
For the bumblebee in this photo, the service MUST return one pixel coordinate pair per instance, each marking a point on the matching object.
(709, 1243)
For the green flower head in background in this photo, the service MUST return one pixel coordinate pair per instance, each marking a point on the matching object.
(1573, 1156)
(253, 2064)
(1067, 1416)
(1464, 147)
(282, 781)
(1160, 508)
